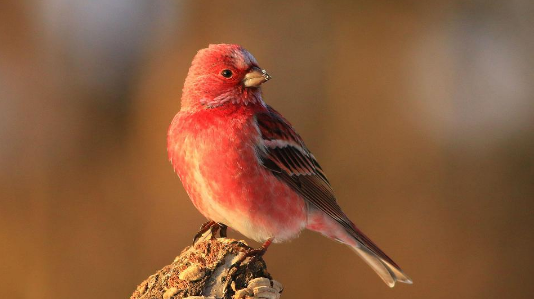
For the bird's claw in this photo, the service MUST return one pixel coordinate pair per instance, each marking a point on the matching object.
(253, 254)
(223, 230)
(213, 227)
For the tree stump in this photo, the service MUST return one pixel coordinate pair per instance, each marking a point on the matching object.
(212, 268)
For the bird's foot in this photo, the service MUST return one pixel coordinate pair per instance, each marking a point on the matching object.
(213, 227)
(223, 230)
(259, 252)
(253, 254)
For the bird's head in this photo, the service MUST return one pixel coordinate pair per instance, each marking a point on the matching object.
(222, 74)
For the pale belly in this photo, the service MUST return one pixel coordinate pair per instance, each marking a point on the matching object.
(227, 184)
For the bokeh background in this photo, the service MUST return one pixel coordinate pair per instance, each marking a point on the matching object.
(420, 112)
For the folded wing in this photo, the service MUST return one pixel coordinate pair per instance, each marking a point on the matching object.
(287, 157)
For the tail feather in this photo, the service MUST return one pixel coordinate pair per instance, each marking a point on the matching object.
(343, 230)
(382, 264)
(389, 273)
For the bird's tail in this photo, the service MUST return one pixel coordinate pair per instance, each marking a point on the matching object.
(384, 266)
(345, 231)
(389, 273)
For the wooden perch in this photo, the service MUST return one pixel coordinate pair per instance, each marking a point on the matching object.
(210, 268)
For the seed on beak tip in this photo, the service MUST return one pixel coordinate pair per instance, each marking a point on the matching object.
(256, 77)
(265, 75)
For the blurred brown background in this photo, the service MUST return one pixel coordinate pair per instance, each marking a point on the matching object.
(421, 113)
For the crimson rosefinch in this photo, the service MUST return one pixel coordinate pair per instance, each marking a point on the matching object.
(243, 164)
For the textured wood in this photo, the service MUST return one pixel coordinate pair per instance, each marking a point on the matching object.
(211, 269)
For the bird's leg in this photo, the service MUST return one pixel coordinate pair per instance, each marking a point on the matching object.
(210, 225)
(223, 230)
(255, 253)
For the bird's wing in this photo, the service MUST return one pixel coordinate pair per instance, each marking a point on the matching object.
(287, 157)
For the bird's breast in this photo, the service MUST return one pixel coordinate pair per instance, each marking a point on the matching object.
(213, 153)
(215, 157)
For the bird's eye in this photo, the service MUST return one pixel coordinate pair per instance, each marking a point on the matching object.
(226, 73)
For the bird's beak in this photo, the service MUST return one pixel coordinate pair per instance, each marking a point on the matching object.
(255, 77)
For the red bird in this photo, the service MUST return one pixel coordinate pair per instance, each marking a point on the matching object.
(243, 164)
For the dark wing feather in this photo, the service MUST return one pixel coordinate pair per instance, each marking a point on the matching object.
(287, 157)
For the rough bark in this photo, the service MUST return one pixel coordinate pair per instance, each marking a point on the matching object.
(211, 269)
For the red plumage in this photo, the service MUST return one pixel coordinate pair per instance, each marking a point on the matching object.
(243, 164)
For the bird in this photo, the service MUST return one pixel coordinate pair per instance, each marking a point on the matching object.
(244, 166)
